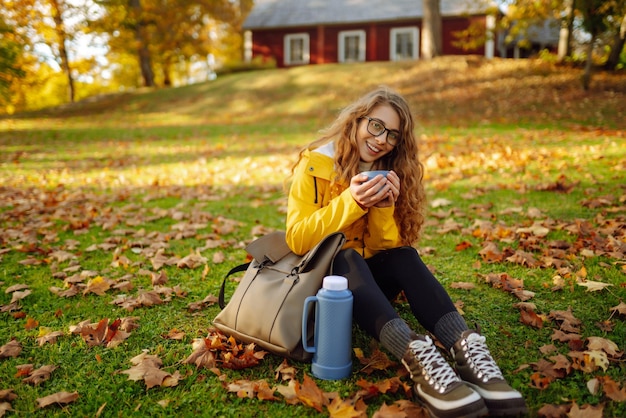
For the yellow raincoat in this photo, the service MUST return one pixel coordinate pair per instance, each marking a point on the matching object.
(316, 209)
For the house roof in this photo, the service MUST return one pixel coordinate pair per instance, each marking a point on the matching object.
(287, 13)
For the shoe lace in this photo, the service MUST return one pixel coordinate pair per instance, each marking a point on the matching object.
(437, 371)
(480, 359)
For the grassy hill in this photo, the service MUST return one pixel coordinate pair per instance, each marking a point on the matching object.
(452, 91)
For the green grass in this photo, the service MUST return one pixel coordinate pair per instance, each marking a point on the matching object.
(179, 168)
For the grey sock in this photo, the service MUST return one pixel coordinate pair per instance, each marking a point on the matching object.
(449, 328)
(395, 336)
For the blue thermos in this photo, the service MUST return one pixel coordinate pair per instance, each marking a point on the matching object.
(332, 336)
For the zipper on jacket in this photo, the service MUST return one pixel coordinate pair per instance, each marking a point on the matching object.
(315, 185)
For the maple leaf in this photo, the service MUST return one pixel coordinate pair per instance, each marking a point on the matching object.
(219, 257)
(561, 336)
(114, 335)
(7, 395)
(339, 408)
(586, 411)
(15, 288)
(103, 333)
(377, 361)
(490, 253)
(123, 286)
(158, 278)
(126, 302)
(606, 345)
(242, 359)
(612, 389)
(68, 293)
(191, 261)
(621, 308)
(159, 260)
(265, 392)
(523, 294)
(10, 307)
(288, 392)
(539, 381)
(547, 349)
(11, 349)
(245, 388)
(48, 336)
(19, 295)
(411, 409)
(462, 285)
(129, 323)
(371, 389)
(23, 370)
(62, 256)
(593, 286)
(147, 367)
(98, 285)
(219, 348)
(461, 246)
(148, 298)
(39, 375)
(553, 411)
(566, 319)
(174, 334)
(4, 407)
(523, 258)
(207, 301)
(537, 229)
(203, 355)
(562, 366)
(31, 323)
(57, 398)
(285, 372)
(529, 317)
(387, 411)
(548, 369)
(588, 361)
(310, 394)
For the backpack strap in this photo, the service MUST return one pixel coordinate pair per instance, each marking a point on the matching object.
(236, 269)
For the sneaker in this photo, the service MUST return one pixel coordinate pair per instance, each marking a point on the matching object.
(437, 386)
(478, 369)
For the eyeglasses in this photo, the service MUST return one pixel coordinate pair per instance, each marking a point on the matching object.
(376, 128)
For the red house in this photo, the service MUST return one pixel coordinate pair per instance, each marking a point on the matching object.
(300, 32)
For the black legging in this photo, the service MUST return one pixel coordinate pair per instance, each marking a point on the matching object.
(376, 281)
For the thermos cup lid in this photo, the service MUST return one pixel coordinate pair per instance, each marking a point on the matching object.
(335, 283)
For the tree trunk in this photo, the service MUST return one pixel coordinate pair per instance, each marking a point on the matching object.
(431, 29)
(65, 64)
(167, 69)
(589, 64)
(617, 46)
(143, 53)
(565, 35)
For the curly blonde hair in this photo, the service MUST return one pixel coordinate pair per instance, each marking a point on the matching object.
(403, 159)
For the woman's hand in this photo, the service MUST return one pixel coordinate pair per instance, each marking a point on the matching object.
(393, 191)
(379, 191)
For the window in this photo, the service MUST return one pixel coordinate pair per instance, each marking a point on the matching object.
(404, 42)
(352, 46)
(297, 49)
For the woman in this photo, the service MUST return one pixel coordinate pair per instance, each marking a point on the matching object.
(381, 219)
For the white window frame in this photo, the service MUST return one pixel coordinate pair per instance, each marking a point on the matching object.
(306, 52)
(413, 32)
(342, 45)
